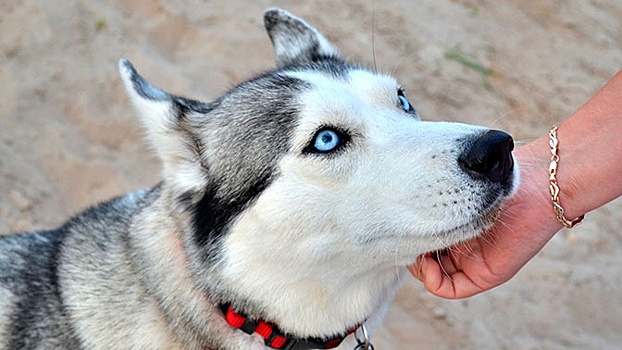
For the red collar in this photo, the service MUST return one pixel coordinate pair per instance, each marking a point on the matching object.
(274, 337)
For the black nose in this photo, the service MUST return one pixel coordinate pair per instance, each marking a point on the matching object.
(489, 157)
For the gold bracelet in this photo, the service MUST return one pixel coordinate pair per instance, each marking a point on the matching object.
(553, 186)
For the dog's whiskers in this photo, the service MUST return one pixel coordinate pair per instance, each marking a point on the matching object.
(373, 36)
(458, 249)
(503, 116)
(397, 266)
(440, 264)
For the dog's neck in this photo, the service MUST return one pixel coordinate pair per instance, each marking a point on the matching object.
(274, 337)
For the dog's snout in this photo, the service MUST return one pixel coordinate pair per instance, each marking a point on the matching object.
(490, 157)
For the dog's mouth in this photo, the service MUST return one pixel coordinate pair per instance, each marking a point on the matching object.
(446, 237)
(481, 220)
(471, 229)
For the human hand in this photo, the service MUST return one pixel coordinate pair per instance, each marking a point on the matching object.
(525, 225)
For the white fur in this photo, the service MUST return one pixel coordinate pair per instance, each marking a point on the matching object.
(179, 165)
(328, 240)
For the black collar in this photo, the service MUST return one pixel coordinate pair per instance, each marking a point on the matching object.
(274, 337)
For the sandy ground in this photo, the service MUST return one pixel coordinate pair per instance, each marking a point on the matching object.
(69, 137)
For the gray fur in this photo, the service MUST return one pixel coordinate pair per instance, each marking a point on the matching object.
(144, 271)
(94, 267)
(295, 42)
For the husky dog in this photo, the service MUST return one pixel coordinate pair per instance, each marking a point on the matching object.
(287, 210)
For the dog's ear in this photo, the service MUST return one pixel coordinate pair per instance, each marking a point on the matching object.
(166, 119)
(295, 42)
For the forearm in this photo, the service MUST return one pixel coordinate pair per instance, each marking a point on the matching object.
(594, 150)
(588, 174)
(590, 151)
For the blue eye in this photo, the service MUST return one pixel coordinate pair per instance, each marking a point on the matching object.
(326, 141)
(404, 103)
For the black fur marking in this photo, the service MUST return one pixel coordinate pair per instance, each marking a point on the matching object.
(331, 65)
(212, 215)
(185, 106)
(143, 87)
(252, 137)
(255, 122)
(272, 19)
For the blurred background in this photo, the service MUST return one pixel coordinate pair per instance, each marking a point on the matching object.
(69, 137)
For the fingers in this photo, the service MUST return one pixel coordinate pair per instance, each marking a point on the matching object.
(418, 268)
(447, 261)
(441, 276)
(429, 271)
(443, 259)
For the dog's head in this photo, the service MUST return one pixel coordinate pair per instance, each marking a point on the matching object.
(309, 184)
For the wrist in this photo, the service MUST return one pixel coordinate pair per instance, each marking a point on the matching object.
(533, 192)
(554, 189)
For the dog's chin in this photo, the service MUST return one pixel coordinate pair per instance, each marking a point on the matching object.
(472, 229)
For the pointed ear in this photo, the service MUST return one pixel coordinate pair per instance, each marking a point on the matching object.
(295, 42)
(165, 118)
